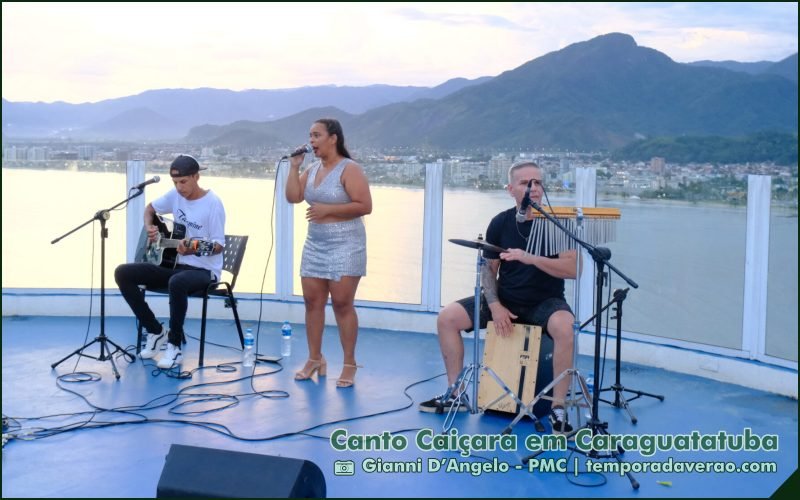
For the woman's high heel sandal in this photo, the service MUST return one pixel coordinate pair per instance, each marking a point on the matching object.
(312, 366)
(347, 382)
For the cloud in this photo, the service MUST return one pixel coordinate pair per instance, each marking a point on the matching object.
(100, 51)
(460, 19)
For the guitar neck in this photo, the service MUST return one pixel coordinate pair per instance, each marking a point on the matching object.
(203, 247)
(168, 243)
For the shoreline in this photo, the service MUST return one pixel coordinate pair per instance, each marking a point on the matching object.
(603, 197)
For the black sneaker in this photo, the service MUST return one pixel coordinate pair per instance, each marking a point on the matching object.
(559, 421)
(438, 405)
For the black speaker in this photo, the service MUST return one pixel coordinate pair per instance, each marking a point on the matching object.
(191, 471)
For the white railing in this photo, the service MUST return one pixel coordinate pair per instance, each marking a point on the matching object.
(756, 258)
(421, 316)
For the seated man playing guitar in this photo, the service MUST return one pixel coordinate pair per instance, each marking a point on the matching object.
(198, 263)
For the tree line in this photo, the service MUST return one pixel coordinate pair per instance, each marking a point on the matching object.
(778, 148)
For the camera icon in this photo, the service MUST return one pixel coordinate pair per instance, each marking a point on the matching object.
(344, 468)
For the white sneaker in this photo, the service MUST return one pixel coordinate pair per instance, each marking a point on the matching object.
(171, 357)
(154, 343)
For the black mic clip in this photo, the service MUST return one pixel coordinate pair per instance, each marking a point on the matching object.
(522, 213)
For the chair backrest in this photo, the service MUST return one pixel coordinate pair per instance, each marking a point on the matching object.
(233, 255)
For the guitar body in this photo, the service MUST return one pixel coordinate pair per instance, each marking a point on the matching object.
(153, 252)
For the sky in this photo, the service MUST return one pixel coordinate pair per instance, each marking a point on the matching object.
(80, 52)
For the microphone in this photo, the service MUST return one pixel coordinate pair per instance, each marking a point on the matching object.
(141, 185)
(526, 202)
(305, 148)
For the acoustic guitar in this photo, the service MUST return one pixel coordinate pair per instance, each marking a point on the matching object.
(162, 251)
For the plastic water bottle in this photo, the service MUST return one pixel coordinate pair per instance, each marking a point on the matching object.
(249, 351)
(286, 339)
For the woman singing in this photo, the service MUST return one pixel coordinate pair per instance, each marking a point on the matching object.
(335, 252)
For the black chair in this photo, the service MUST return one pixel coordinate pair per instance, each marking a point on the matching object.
(232, 261)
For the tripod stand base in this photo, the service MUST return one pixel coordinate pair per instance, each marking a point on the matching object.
(576, 399)
(106, 353)
(621, 402)
(596, 428)
(472, 374)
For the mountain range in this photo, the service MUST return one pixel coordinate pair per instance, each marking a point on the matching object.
(786, 68)
(599, 94)
(170, 113)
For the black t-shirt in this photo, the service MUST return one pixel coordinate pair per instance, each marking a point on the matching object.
(520, 284)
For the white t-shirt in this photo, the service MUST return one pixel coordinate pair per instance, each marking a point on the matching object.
(204, 219)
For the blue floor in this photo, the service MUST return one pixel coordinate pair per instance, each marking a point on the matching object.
(127, 460)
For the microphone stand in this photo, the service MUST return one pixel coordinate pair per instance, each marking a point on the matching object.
(601, 256)
(106, 353)
(617, 387)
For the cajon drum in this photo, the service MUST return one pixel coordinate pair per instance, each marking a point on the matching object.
(518, 360)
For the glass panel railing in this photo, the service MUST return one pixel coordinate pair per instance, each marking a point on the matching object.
(41, 198)
(394, 234)
(688, 260)
(781, 331)
(248, 211)
(466, 215)
(43, 203)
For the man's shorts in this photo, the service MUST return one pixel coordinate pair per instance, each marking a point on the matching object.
(535, 315)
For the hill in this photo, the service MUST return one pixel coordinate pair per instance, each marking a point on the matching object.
(187, 108)
(780, 149)
(598, 94)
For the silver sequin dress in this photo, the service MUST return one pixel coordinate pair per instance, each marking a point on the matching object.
(339, 248)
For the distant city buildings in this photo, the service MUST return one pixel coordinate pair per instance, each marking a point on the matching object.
(407, 167)
(10, 153)
(658, 165)
(498, 168)
(37, 153)
(86, 152)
